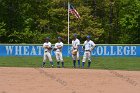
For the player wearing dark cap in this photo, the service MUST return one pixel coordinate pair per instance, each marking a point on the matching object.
(75, 50)
(47, 52)
(58, 52)
(88, 47)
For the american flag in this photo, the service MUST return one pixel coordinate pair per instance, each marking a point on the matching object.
(73, 11)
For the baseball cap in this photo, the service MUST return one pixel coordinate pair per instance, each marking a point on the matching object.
(75, 35)
(47, 38)
(88, 36)
(59, 37)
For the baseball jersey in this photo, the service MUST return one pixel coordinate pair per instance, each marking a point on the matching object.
(89, 45)
(75, 42)
(46, 44)
(59, 44)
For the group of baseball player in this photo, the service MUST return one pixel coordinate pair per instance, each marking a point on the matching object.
(88, 46)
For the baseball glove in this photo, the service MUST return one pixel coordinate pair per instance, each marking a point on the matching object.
(74, 52)
(83, 47)
(48, 47)
(54, 49)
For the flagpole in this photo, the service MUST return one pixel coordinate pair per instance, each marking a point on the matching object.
(68, 28)
(68, 22)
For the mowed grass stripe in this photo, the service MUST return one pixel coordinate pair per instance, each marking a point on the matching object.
(113, 63)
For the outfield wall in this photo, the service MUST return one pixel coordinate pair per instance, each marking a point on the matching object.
(117, 50)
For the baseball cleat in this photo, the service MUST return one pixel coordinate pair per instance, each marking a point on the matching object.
(42, 66)
(74, 66)
(82, 67)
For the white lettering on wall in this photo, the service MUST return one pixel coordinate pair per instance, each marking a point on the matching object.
(126, 50)
(133, 50)
(9, 50)
(112, 52)
(100, 50)
(26, 50)
(18, 50)
(105, 51)
(33, 51)
(115, 50)
(39, 49)
(119, 50)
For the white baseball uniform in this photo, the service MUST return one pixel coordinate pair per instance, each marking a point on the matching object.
(89, 45)
(75, 44)
(58, 52)
(47, 52)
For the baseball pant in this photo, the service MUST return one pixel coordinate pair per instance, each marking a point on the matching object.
(47, 55)
(87, 55)
(74, 57)
(59, 56)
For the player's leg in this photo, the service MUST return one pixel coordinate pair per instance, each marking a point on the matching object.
(74, 61)
(50, 58)
(84, 59)
(78, 58)
(89, 59)
(61, 59)
(44, 60)
(57, 59)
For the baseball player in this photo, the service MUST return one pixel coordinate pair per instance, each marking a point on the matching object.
(47, 52)
(88, 47)
(75, 50)
(58, 52)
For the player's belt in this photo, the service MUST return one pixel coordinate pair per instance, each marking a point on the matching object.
(46, 51)
(58, 51)
(75, 49)
(87, 50)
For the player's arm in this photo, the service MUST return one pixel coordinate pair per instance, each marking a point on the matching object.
(93, 46)
(73, 45)
(46, 47)
(78, 44)
(50, 45)
(55, 47)
(83, 47)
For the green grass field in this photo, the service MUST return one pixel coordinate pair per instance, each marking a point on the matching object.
(113, 63)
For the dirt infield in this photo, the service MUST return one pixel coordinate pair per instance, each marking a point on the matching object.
(62, 80)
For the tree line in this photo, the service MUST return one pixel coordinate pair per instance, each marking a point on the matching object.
(107, 21)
